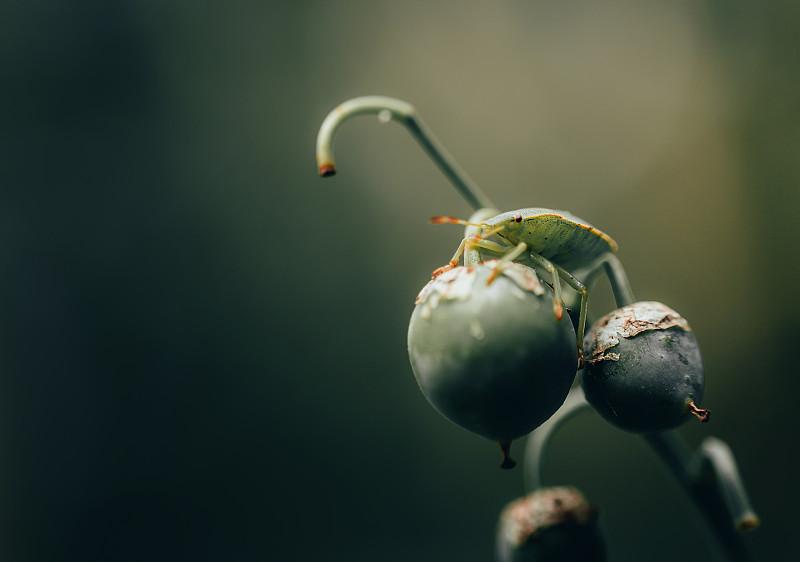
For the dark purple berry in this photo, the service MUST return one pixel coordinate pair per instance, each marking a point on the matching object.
(644, 372)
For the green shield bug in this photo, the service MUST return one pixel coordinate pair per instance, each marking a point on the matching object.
(553, 241)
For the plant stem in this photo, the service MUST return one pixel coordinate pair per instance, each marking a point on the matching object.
(716, 455)
(620, 286)
(710, 477)
(404, 113)
(538, 440)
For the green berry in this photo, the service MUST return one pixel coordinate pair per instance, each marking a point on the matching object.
(644, 372)
(551, 524)
(488, 352)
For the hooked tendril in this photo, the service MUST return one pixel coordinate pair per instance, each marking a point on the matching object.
(404, 113)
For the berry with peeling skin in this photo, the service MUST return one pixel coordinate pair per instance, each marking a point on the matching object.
(644, 372)
(550, 524)
(489, 354)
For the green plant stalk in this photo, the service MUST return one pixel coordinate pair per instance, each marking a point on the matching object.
(404, 113)
(620, 286)
(539, 439)
(722, 500)
(715, 459)
(710, 477)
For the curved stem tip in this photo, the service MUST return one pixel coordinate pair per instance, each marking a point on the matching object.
(404, 113)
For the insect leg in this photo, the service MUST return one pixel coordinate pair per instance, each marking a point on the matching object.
(467, 243)
(584, 294)
(558, 306)
(453, 262)
(507, 258)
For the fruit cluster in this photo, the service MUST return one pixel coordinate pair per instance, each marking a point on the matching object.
(490, 356)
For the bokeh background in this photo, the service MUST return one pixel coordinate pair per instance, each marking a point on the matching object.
(202, 344)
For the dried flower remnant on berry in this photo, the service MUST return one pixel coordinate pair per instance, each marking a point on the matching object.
(456, 284)
(550, 524)
(529, 516)
(629, 322)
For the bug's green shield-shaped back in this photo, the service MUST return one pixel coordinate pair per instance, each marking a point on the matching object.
(559, 236)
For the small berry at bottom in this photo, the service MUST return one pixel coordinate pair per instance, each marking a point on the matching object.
(550, 524)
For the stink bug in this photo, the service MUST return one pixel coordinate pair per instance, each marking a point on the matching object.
(554, 241)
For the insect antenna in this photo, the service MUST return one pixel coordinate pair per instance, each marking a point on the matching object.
(453, 220)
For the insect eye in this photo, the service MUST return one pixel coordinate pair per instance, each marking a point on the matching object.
(518, 218)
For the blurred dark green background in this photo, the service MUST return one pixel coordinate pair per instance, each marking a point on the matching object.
(202, 344)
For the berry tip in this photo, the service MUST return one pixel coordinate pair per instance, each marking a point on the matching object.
(508, 462)
(702, 415)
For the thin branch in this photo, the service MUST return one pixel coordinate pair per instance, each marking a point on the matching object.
(538, 440)
(710, 478)
(714, 455)
(704, 475)
(404, 113)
